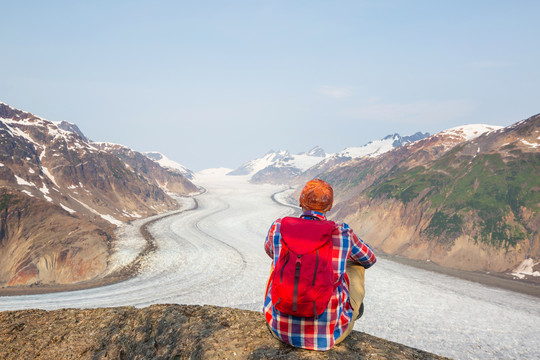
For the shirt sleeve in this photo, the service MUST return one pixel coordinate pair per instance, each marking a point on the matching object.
(361, 252)
(269, 242)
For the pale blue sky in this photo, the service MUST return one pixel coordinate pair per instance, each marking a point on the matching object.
(216, 83)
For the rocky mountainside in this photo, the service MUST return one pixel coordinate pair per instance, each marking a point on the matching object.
(53, 167)
(166, 178)
(168, 332)
(466, 198)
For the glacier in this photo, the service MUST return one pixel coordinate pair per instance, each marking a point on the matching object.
(212, 253)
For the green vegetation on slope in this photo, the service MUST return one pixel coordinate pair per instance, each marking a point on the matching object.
(487, 186)
(4, 201)
(7, 199)
(346, 178)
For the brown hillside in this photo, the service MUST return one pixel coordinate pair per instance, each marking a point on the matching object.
(42, 243)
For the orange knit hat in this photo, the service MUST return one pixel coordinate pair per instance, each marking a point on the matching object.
(317, 195)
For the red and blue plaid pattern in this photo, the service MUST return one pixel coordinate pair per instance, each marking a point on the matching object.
(320, 333)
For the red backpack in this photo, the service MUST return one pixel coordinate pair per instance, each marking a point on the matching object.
(303, 280)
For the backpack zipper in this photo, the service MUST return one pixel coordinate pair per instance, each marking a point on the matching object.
(283, 267)
(316, 266)
(296, 282)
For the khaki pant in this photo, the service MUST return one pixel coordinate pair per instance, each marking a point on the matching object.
(357, 291)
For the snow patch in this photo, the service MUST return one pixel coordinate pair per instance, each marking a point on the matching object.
(27, 193)
(526, 269)
(21, 181)
(69, 210)
(109, 218)
(531, 145)
(49, 175)
(134, 214)
(44, 189)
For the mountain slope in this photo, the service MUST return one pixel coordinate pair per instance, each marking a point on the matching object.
(53, 167)
(353, 176)
(151, 171)
(464, 198)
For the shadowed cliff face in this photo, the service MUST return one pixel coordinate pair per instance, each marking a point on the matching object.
(168, 332)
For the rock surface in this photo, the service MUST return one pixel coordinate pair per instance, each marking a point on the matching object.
(168, 332)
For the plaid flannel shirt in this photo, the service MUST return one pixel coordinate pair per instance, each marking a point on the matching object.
(320, 333)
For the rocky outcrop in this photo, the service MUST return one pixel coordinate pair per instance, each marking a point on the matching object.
(168, 332)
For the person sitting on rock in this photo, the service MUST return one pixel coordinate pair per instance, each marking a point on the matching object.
(315, 291)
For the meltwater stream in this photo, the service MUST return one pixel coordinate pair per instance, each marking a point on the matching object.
(214, 255)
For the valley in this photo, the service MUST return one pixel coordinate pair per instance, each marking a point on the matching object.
(214, 255)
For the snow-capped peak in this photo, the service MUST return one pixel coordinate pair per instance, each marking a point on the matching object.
(469, 132)
(378, 147)
(65, 131)
(281, 159)
(165, 162)
(317, 151)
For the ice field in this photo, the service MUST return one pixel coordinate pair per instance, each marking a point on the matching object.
(214, 255)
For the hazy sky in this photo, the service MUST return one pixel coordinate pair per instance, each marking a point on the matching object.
(217, 83)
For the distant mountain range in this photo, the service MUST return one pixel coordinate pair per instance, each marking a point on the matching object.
(466, 198)
(281, 167)
(61, 194)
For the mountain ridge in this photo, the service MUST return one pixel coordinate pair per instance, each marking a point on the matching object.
(459, 198)
(54, 167)
(281, 167)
